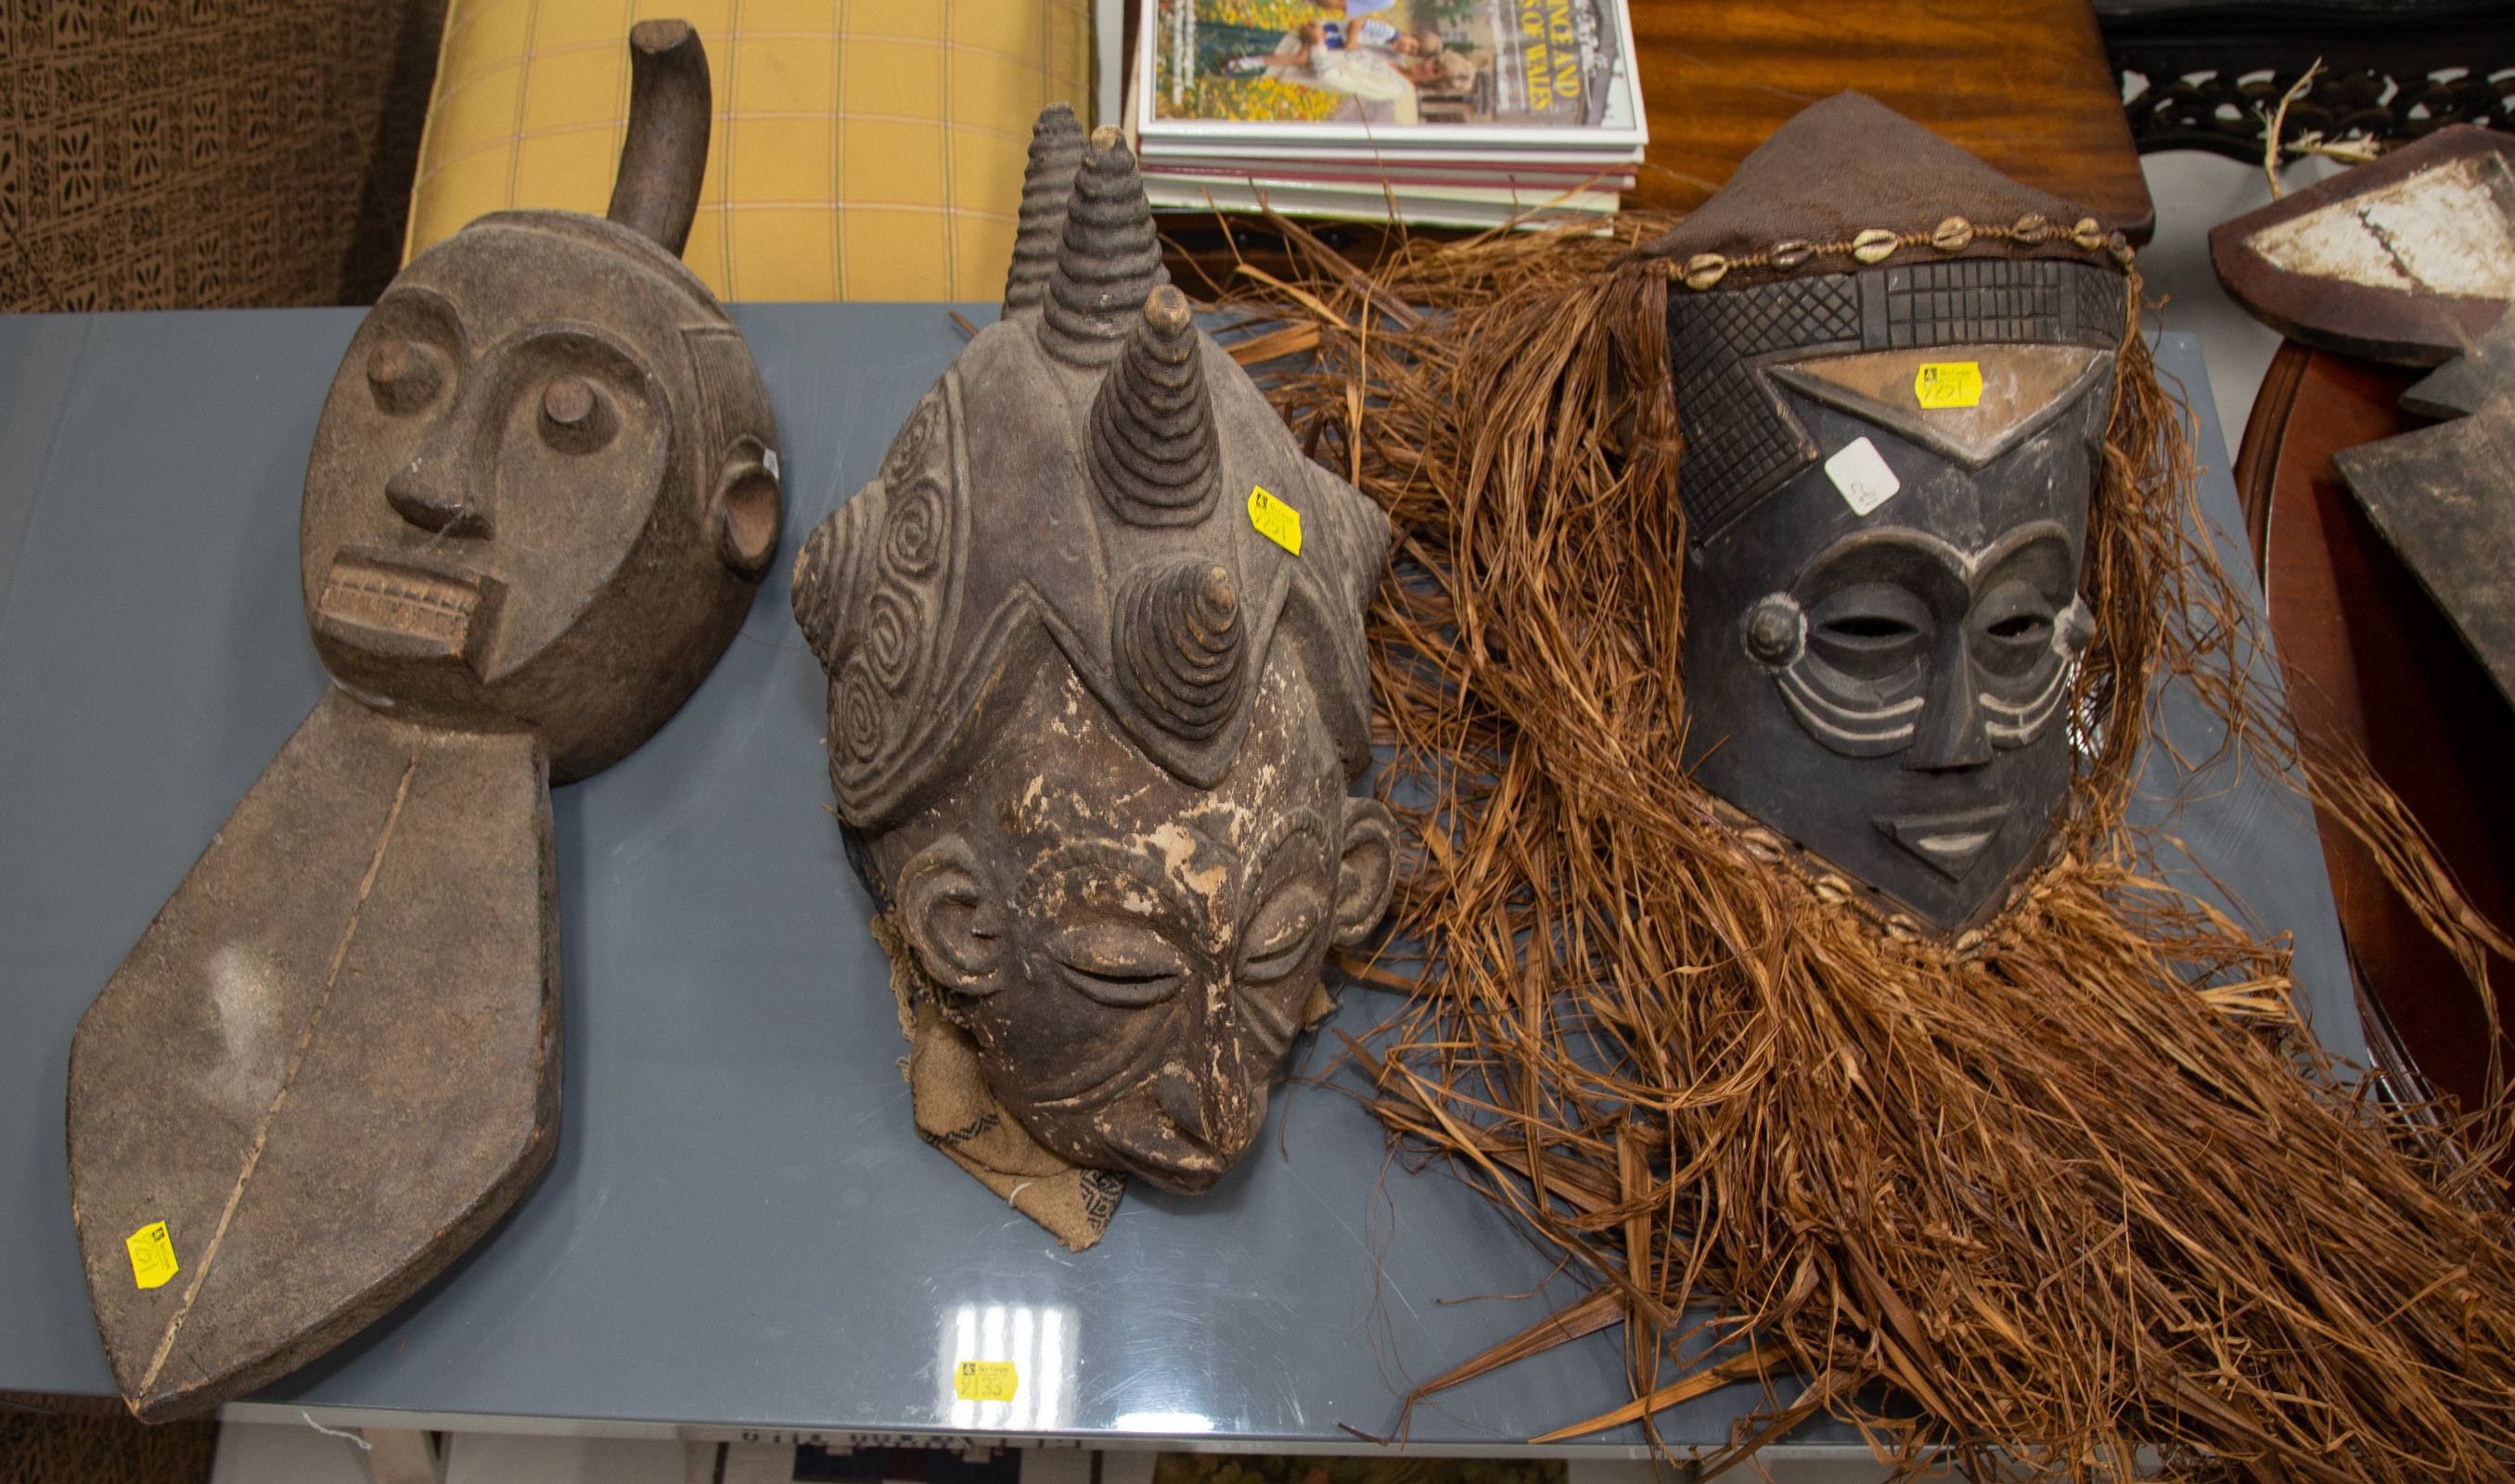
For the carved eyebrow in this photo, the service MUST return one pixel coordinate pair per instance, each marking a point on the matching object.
(409, 307)
(1128, 861)
(1278, 834)
(1966, 564)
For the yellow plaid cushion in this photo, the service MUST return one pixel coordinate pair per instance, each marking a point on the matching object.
(862, 149)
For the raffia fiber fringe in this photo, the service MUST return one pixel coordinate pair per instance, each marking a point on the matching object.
(2077, 1184)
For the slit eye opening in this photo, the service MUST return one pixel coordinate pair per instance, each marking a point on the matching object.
(1128, 988)
(1260, 968)
(1280, 932)
(1119, 964)
(1868, 628)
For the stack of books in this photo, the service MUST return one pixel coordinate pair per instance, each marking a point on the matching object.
(1437, 113)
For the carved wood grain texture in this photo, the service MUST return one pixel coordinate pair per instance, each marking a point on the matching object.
(2022, 83)
(2371, 663)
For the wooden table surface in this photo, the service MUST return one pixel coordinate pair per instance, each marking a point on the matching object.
(2024, 84)
(2371, 664)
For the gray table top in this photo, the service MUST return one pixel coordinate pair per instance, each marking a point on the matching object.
(740, 1226)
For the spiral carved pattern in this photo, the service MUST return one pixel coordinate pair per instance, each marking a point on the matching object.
(894, 626)
(1048, 183)
(1107, 261)
(1154, 458)
(856, 715)
(912, 532)
(1181, 648)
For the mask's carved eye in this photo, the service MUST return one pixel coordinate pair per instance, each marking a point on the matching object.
(576, 415)
(1118, 964)
(1279, 935)
(2016, 621)
(1869, 629)
(405, 375)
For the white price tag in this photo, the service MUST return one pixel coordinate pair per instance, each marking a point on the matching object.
(1862, 474)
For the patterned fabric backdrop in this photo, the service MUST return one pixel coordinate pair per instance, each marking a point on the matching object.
(207, 153)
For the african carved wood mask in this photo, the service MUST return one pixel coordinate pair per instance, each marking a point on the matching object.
(1093, 724)
(1894, 369)
(541, 496)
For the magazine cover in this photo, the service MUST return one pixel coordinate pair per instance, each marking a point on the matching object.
(1533, 70)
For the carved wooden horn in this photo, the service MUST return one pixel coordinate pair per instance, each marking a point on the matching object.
(1154, 456)
(657, 191)
(1048, 187)
(1107, 261)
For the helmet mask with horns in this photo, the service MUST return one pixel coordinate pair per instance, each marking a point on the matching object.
(1095, 729)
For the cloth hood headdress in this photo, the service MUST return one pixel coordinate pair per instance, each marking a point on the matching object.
(1853, 228)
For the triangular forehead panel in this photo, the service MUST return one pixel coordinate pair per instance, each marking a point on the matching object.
(2022, 388)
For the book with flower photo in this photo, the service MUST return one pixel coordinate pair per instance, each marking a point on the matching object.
(1545, 74)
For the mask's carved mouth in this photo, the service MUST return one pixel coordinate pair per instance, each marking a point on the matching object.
(388, 605)
(1949, 843)
(1183, 1166)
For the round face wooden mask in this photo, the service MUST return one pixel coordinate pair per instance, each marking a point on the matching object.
(1098, 690)
(540, 497)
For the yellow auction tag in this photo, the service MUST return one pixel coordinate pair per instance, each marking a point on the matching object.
(152, 1254)
(1275, 520)
(984, 1380)
(1949, 383)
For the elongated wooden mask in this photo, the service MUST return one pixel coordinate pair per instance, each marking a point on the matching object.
(541, 497)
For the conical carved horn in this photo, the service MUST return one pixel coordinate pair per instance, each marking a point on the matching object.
(1154, 457)
(656, 192)
(1106, 262)
(1047, 184)
(1180, 647)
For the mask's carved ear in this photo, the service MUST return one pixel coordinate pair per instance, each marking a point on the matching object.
(750, 506)
(1367, 870)
(949, 920)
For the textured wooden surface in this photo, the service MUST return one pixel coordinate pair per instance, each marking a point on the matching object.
(2375, 665)
(330, 1064)
(2365, 289)
(2021, 83)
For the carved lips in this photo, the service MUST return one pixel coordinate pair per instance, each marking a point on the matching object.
(389, 606)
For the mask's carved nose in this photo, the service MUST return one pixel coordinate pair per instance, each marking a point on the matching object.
(434, 492)
(1951, 730)
(1215, 1110)
(1175, 1091)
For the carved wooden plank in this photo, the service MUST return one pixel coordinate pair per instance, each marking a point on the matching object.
(331, 1062)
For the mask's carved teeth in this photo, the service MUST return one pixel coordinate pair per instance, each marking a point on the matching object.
(387, 606)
